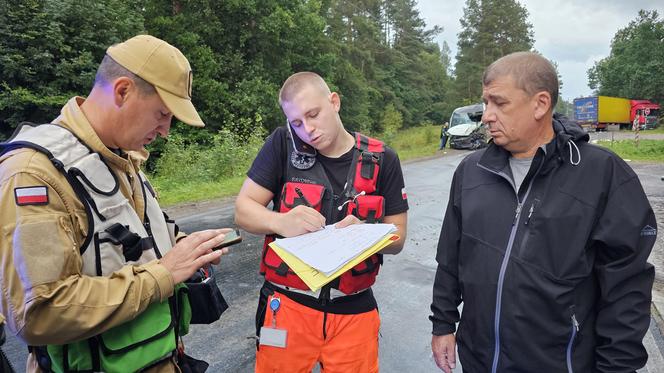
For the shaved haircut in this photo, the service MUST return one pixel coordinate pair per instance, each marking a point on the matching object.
(298, 81)
(109, 70)
(531, 72)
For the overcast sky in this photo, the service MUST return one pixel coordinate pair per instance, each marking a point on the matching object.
(575, 34)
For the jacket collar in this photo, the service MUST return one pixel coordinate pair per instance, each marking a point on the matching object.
(496, 158)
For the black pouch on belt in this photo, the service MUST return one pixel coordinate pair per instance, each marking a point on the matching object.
(188, 364)
(207, 303)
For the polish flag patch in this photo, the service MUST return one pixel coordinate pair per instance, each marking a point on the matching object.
(403, 193)
(35, 195)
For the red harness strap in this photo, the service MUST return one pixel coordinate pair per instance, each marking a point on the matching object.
(366, 206)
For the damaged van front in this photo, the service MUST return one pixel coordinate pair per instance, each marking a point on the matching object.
(466, 128)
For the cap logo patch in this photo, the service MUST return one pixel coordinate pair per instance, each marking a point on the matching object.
(35, 195)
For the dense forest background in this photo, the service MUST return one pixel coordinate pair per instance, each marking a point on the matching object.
(378, 54)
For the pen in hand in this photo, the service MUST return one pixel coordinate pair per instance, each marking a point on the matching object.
(305, 201)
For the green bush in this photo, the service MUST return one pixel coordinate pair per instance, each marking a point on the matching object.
(390, 123)
(431, 132)
(416, 142)
(208, 169)
(227, 155)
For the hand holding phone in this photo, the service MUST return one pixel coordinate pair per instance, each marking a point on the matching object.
(231, 238)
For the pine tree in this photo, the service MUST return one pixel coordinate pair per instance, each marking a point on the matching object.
(490, 30)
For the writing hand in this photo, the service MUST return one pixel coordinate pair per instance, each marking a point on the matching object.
(299, 220)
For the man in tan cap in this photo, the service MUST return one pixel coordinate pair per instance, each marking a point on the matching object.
(91, 267)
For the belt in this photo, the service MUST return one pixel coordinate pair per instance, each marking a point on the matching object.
(337, 302)
(334, 293)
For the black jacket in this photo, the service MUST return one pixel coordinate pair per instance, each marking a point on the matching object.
(573, 292)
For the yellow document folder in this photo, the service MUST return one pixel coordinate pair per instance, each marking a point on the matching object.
(316, 279)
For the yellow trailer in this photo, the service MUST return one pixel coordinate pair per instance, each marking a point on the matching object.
(613, 110)
(599, 111)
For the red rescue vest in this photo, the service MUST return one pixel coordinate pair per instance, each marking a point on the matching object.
(311, 187)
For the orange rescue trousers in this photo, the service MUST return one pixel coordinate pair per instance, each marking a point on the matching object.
(341, 343)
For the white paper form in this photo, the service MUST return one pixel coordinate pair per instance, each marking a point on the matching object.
(330, 248)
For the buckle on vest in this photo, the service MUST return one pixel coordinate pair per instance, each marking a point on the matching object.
(133, 245)
(368, 164)
(371, 217)
(282, 270)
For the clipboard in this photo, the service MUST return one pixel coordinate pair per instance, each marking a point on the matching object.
(315, 279)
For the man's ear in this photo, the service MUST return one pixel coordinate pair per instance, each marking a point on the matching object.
(336, 101)
(122, 88)
(542, 102)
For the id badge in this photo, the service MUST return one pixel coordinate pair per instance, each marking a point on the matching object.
(273, 337)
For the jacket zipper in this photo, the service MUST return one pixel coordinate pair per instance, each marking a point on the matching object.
(575, 329)
(532, 209)
(501, 280)
(506, 259)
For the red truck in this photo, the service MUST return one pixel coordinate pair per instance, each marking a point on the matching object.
(646, 111)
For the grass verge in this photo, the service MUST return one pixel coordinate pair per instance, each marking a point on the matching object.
(194, 191)
(415, 142)
(648, 150)
(659, 129)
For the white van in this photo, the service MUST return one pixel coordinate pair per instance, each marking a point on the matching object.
(466, 128)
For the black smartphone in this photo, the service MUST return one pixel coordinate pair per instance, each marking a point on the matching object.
(231, 238)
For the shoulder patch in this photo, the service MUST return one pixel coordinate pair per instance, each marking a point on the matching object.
(34, 195)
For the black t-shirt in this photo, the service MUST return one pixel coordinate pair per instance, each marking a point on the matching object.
(269, 170)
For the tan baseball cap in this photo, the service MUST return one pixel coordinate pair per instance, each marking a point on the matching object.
(163, 66)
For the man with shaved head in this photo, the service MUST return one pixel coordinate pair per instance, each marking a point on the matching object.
(545, 241)
(316, 173)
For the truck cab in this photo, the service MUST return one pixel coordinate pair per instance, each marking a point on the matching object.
(645, 113)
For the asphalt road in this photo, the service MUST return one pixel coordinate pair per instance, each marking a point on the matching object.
(403, 289)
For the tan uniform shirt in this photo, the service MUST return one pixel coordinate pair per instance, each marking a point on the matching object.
(45, 298)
